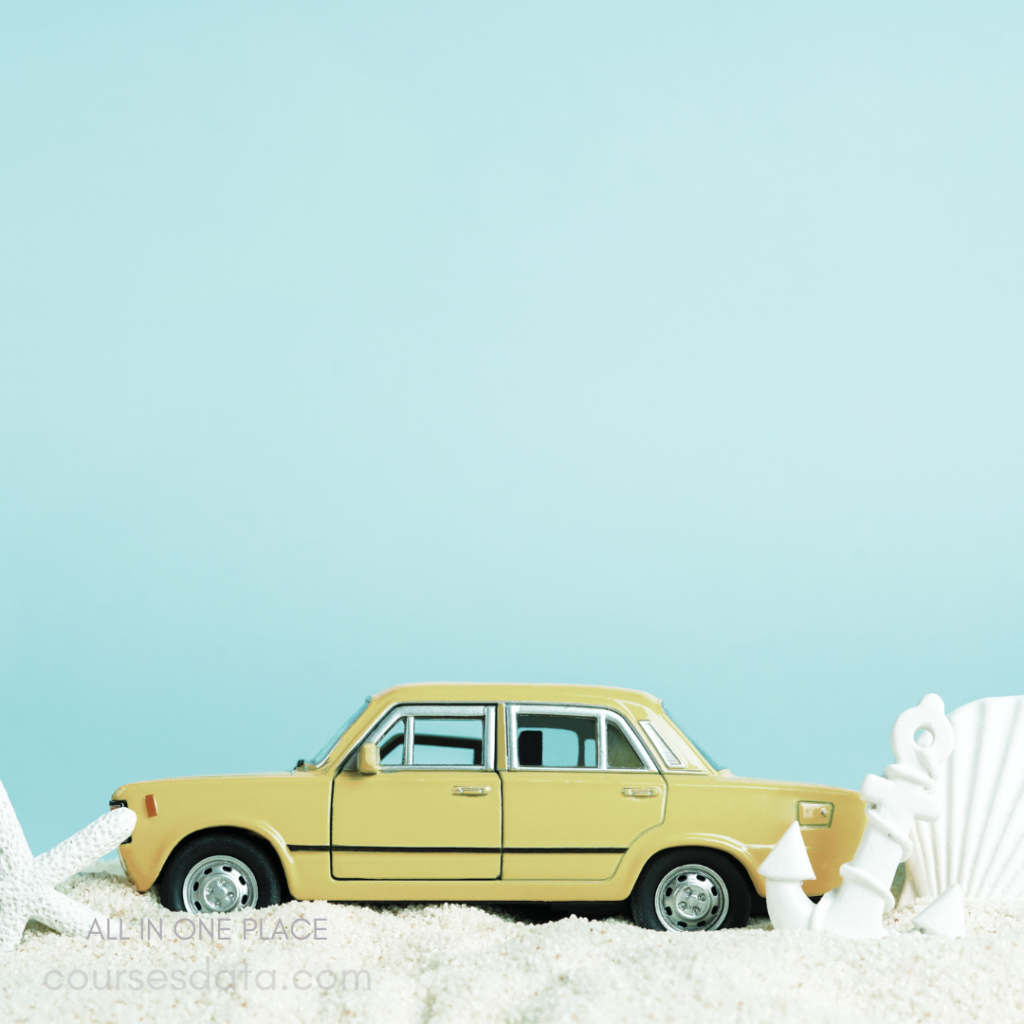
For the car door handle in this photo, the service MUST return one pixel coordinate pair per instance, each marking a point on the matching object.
(470, 790)
(652, 791)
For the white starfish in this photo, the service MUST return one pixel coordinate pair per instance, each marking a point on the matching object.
(26, 882)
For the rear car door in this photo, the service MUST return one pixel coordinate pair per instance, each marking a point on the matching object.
(579, 789)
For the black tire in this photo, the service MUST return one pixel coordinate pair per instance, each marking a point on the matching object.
(717, 882)
(253, 863)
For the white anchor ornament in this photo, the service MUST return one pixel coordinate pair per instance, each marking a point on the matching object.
(922, 738)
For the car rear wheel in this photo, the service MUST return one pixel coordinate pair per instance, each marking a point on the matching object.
(691, 890)
(220, 872)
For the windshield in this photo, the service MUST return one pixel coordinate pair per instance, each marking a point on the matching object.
(330, 744)
(700, 750)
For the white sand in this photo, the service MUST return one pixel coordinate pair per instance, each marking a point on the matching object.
(454, 963)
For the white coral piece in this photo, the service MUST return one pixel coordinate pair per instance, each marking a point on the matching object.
(27, 883)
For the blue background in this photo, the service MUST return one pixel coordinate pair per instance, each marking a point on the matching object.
(662, 345)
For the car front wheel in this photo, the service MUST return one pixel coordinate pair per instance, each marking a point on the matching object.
(218, 873)
(691, 890)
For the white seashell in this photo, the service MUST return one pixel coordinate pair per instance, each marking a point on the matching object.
(978, 841)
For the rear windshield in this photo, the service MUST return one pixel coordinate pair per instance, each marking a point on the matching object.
(672, 735)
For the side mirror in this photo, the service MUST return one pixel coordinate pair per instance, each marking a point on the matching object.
(369, 759)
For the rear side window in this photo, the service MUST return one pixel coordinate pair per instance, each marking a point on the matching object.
(556, 741)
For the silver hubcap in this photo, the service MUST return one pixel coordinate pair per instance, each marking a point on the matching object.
(218, 885)
(691, 898)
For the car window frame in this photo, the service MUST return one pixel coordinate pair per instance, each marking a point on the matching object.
(603, 716)
(383, 724)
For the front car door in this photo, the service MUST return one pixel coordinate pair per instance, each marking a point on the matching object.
(579, 789)
(433, 810)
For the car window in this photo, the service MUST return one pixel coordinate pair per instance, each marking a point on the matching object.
(447, 740)
(556, 741)
(620, 751)
(392, 744)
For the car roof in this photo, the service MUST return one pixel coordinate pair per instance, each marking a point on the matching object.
(547, 693)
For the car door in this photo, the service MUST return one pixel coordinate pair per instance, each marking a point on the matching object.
(578, 790)
(433, 810)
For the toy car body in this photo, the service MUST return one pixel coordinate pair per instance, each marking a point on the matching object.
(488, 793)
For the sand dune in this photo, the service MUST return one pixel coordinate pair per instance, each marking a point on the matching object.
(459, 964)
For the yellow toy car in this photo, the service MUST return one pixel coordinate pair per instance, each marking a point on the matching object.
(488, 793)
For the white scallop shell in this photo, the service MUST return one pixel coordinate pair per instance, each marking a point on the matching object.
(978, 840)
